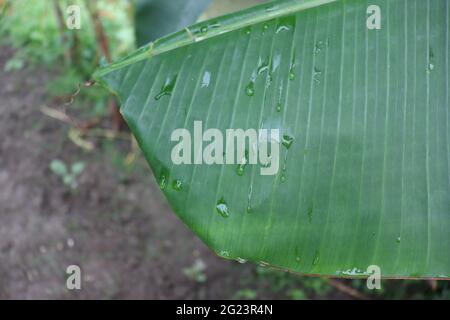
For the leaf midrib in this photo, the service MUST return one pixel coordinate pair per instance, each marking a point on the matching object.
(228, 23)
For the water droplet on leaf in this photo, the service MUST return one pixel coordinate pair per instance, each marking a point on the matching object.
(206, 79)
(224, 253)
(249, 199)
(310, 213)
(287, 141)
(430, 60)
(291, 75)
(240, 260)
(250, 89)
(268, 81)
(282, 28)
(320, 45)
(317, 74)
(316, 258)
(163, 178)
(276, 60)
(177, 185)
(285, 24)
(241, 166)
(222, 208)
(240, 169)
(167, 88)
(262, 66)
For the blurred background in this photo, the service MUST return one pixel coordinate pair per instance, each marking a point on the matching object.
(74, 188)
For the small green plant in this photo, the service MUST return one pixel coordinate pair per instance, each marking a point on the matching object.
(68, 176)
(14, 64)
(246, 294)
(196, 272)
(297, 294)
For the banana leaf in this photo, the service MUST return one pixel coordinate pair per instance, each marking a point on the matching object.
(363, 120)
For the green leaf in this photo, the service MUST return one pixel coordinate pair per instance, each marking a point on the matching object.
(364, 124)
(58, 167)
(69, 180)
(14, 64)
(77, 168)
(157, 18)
